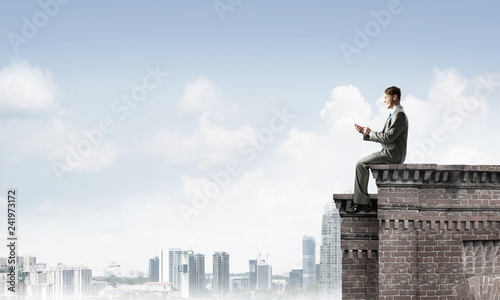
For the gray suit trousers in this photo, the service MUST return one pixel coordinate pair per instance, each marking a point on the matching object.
(363, 173)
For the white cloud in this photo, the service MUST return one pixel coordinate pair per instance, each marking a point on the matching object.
(210, 144)
(49, 139)
(444, 118)
(346, 107)
(26, 87)
(199, 96)
(317, 157)
(447, 86)
(465, 155)
(49, 206)
(190, 185)
(298, 145)
(45, 138)
(101, 157)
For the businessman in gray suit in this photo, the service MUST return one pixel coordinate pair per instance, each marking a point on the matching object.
(393, 139)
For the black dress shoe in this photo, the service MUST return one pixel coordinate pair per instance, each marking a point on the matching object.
(356, 208)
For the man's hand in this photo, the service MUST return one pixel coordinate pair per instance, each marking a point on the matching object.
(361, 129)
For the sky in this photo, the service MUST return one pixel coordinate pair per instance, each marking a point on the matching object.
(128, 127)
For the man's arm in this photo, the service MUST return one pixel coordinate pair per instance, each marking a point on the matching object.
(391, 133)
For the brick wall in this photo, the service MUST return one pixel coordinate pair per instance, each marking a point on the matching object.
(438, 233)
(359, 243)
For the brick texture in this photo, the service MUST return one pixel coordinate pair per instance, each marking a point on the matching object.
(359, 236)
(434, 233)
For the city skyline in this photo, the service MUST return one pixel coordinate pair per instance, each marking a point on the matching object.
(132, 127)
(186, 273)
(118, 269)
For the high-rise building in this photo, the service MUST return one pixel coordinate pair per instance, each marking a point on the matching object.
(26, 261)
(220, 281)
(83, 282)
(71, 282)
(196, 274)
(264, 275)
(296, 278)
(163, 276)
(178, 271)
(318, 274)
(40, 282)
(239, 283)
(261, 275)
(252, 281)
(308, 261)
(330, 254)
(154, 269)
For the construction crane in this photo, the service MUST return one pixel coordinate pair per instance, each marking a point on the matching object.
(104, 266)
(111, 265)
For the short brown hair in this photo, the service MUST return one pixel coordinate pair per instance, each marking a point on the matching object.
(393, 90)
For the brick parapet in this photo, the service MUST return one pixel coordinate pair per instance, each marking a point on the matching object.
(359, 244)
(357, 230)
(437, 234)
(344, 202)
(464, 176)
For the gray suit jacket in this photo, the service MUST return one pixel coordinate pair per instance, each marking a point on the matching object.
(393, 136)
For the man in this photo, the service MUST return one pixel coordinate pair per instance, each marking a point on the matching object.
(393, 139)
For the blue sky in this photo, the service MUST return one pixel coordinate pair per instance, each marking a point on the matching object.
(263, 90)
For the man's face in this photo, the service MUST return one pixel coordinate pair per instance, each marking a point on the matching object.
(390, 101)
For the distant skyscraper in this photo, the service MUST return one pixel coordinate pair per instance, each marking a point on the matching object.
(239, 283)
(308, 261)
(296, 278)
(178, 271)
(220, 281)
(318, 274)
(26, 261)
(252, 281)
(196, 274)
(330, 254)
(71, 282)
(39, 282)
(264, 275)
(260, 275)
(163, 265)
(154, 269)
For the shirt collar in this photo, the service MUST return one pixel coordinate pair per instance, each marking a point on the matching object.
(394, 109)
